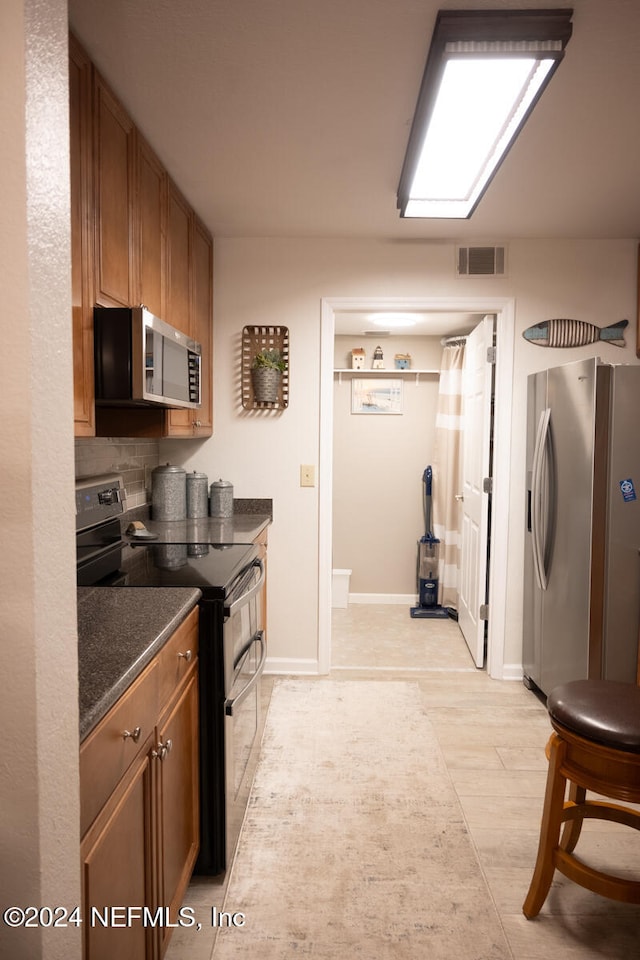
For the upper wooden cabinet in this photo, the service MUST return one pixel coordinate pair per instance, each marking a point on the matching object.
(149, 227)
(196, 423)
(135, 239)
(177, 265)
(82, 296)
(114, 193)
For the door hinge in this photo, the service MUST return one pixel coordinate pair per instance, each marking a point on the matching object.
(484, 611)
(487, 485)
(491, 354)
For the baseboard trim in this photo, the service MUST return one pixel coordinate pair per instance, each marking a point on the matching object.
(399, 598)
(512, 671)
(295, 665)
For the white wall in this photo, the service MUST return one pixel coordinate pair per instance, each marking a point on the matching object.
(39, 801)
(378, 462)
(282, 282)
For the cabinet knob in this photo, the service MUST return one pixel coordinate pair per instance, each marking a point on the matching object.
(197, 423)
(187, 655)
(162, 749)
(133, 735)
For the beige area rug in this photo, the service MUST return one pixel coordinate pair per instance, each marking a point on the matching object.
(354, 845)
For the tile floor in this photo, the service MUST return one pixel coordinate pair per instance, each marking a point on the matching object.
(492, 735)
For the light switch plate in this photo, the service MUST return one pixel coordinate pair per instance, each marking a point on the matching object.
(307, 475)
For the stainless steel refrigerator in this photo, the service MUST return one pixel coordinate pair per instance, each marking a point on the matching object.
(582, 542)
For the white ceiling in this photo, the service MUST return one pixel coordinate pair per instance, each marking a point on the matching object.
(290, 118)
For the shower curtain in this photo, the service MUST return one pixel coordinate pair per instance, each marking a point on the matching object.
(447, 471)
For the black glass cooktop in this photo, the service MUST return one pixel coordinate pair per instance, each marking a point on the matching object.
(211, 568)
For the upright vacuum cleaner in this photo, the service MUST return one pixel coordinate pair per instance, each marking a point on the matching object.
(428, 556)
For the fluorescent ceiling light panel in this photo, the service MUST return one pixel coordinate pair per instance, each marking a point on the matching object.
(395, 320)
(484, 74)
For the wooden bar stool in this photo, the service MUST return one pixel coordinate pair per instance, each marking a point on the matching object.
(596, 747)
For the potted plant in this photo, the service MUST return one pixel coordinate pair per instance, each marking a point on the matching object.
(266, 370)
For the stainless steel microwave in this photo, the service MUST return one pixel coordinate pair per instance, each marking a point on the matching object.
(141, 360)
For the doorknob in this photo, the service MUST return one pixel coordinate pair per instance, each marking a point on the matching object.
(459, 497)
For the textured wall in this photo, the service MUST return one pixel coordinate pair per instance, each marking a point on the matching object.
(39, 847)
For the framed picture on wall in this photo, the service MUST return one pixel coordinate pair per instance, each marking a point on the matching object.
(373, 395)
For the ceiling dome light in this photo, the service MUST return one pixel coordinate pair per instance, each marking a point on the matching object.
(392, 320)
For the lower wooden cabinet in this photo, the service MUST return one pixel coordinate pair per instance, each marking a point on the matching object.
(139, 850)
(178, 794)
(117, 869)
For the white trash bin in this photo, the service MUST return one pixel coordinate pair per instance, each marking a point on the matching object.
(340, 588)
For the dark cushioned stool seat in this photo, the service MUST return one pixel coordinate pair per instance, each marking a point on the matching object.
(595, 746)
(601, 710)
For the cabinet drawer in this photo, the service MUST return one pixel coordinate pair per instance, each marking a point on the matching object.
(108, 751)
(178, 655)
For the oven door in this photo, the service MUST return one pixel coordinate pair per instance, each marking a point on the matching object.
(245, 653)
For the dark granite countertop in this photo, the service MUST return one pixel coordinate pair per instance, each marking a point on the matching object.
(248, 521)
(119, 631)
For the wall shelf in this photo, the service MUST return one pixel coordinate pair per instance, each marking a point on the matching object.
(350, 372)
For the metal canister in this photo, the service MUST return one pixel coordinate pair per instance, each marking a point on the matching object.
(169, 493)
(197, 495)
(221, 499)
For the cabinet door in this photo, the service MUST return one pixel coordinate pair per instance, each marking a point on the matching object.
(117, 869)
(178, 797)
(177, 256)
(202, 265)
(198, 422)
(114, 189)
(80, 75)
(149, 221)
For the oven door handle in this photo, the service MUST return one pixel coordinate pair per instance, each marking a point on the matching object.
(244, 599)
(237, 700)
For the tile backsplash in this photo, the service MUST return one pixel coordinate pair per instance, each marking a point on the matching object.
(133, 458)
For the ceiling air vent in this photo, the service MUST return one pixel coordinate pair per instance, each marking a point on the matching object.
(486, 261)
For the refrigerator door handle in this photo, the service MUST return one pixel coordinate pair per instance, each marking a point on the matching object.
(539, 499)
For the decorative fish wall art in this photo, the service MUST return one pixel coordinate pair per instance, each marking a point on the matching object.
(561, 332)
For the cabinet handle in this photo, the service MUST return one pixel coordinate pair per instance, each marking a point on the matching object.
(135, 736)
(187, 656)
(162, 749)
(196, 423)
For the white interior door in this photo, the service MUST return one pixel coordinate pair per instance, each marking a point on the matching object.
(476, 453)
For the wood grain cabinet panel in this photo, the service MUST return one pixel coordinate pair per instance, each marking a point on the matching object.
(199, 422)
(202, 260)
(114, 743)
(151, 181)
(177, 261)
(80, 81)
(178, 827)
(117, 869)
(114, 193)
(177, 656)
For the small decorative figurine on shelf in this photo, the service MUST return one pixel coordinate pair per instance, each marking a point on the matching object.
(357, 358)
(402, 361)
(378, 359)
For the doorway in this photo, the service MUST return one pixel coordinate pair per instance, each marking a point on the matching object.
(503, 308)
